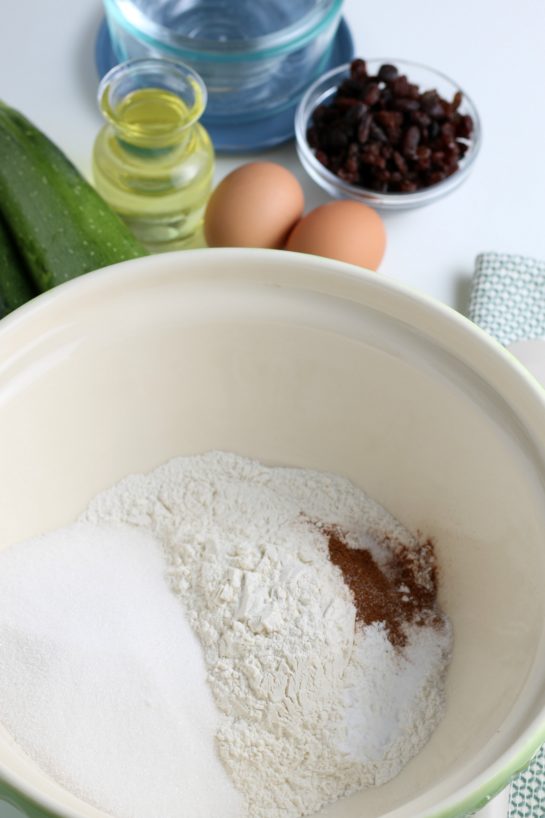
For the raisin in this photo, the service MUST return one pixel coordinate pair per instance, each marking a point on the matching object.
(457, 100)
(405, 104)
(346, 103)
(436, 176)
(448, 134)
(377, 133)
(385, 101)
(423, 157)
(350, 88)
(391, 122)
(323, 113)
(364, 128)
(382, 175)
(411, 140)
(348, 176)
(353, 150)
(322, 158)
(371, 94)
(400, 86)
(335, 139)
(437, 110)
(428, 100)
(386, 151)
(464, 127)
(358, 69)
(387, 72)
(355, 113)
(400, 163)
(421, 119)
(352, 165)
(370, 155)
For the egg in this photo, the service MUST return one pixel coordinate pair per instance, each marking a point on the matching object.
(344, 230)
(256, 205)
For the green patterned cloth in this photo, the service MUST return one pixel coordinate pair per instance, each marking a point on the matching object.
(508, 297)
(527, 796)
(508, 301)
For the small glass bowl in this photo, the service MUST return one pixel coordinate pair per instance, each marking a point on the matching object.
(323, 91)
(256, 58)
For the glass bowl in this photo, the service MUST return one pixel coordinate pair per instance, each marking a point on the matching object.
(256, 59)
(322, 93)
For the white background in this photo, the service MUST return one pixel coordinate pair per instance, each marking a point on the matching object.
(493, 48)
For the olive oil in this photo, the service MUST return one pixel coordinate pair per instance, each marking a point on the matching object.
(153, 162)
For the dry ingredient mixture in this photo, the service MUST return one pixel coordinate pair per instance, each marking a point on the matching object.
(315, 612)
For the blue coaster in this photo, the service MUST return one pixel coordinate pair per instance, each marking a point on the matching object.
(246, 136)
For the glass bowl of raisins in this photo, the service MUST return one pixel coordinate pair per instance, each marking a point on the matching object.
(393, 134)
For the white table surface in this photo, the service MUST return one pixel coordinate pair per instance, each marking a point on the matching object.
(493, 48)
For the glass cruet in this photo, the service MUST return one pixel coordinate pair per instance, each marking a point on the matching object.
(153, 162)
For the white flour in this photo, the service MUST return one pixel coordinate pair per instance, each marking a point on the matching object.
(313, 708)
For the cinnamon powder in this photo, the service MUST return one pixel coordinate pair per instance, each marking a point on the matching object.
(400, 593)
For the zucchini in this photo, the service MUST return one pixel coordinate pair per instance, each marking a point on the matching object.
(61, 225)
(15, 287)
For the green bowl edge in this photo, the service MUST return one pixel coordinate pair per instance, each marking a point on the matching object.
(486, 792)
(28, 806)
(468, 806)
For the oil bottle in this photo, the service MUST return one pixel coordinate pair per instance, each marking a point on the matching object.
(153, 161)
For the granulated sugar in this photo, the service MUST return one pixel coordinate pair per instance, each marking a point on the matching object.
(102, 681)
(314, 705)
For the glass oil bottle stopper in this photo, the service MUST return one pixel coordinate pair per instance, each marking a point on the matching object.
(153, 161)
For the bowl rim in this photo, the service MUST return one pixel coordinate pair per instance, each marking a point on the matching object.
(160, 38)
(386, 201)
(457, 333)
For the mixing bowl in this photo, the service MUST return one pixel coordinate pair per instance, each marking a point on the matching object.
(298, 360)
(255, 58)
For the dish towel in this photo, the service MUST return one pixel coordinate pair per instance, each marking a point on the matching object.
(508, 297)
(508, 301)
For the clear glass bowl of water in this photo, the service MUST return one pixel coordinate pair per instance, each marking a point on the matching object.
(256, 58)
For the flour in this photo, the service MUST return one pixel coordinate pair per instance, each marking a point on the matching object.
(312, 707)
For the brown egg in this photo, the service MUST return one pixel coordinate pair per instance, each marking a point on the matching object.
(343, 230)
(256, 205)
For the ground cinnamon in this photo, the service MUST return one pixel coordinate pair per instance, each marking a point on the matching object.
(402, 592)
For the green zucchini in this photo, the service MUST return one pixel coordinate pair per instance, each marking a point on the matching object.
(61, 225)
(15, 287)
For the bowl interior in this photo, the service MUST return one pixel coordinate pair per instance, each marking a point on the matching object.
(297, 360)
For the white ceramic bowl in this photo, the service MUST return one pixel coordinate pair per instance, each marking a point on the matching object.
(299, 360)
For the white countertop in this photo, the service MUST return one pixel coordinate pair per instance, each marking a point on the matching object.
(493, 48)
